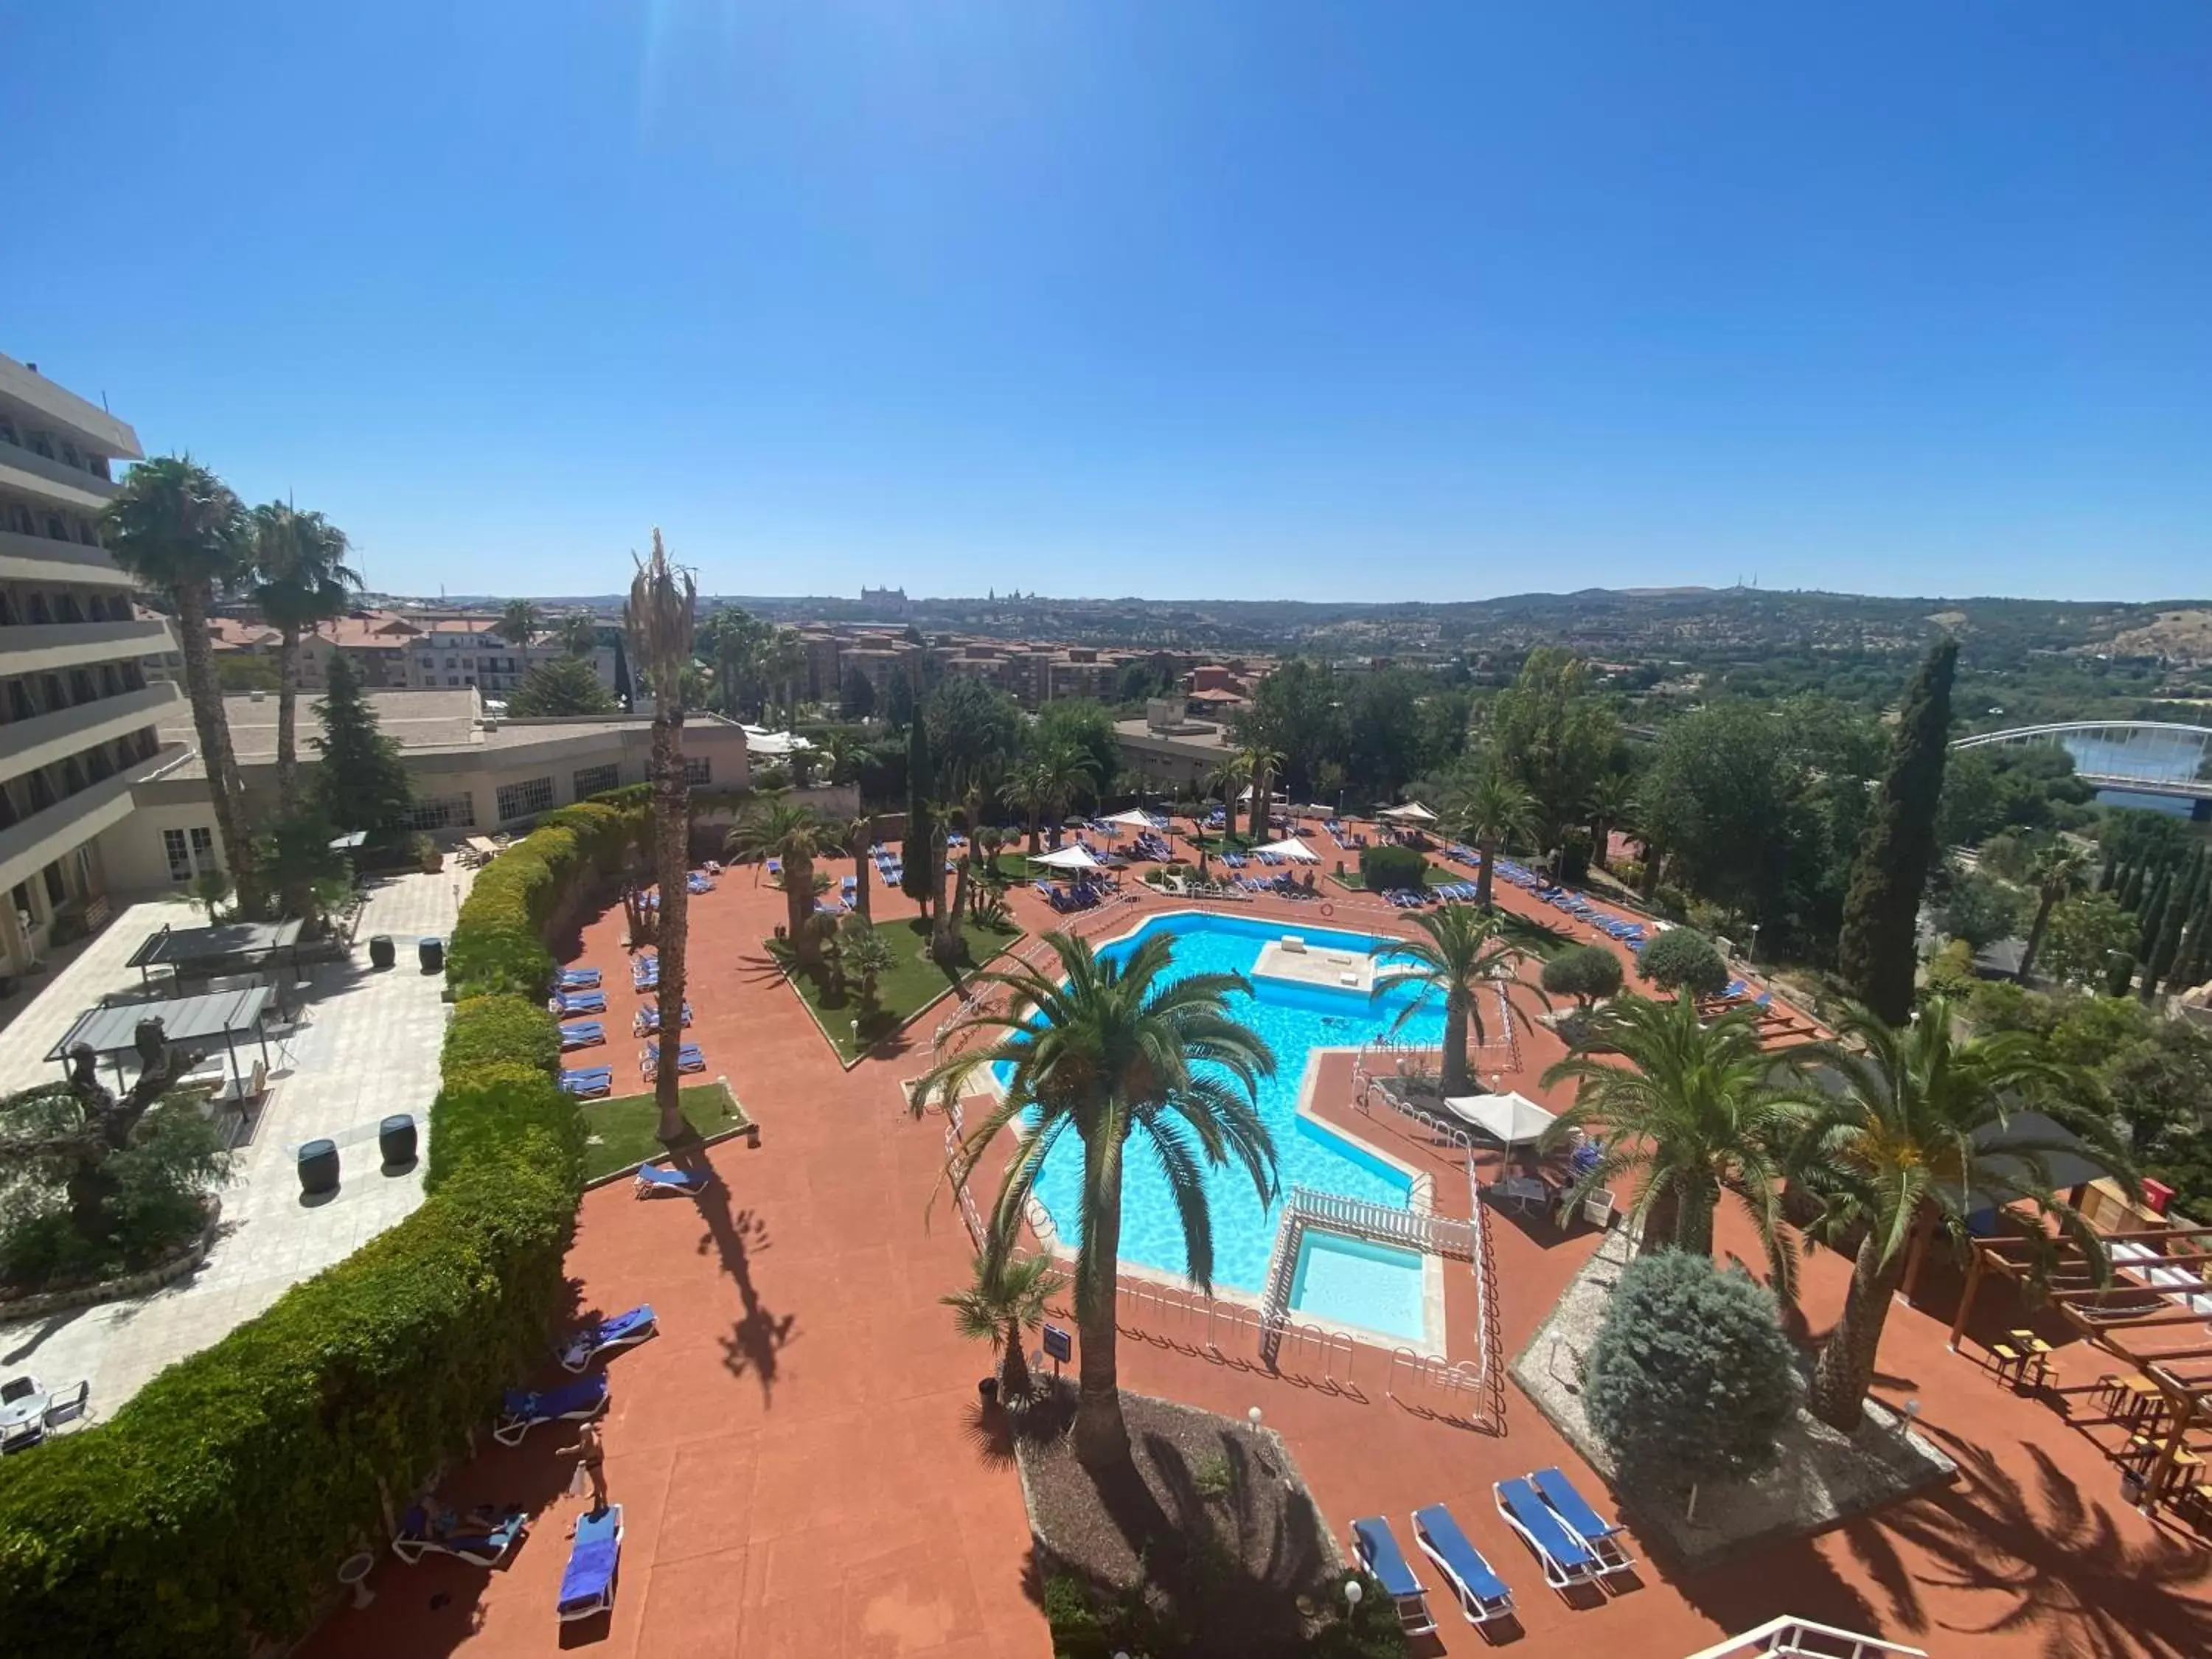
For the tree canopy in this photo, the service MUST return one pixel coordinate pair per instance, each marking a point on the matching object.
(360, 781)
(564, 685)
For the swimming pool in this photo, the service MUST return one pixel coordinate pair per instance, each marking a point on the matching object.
(1352, 1281)
(1294, 1019)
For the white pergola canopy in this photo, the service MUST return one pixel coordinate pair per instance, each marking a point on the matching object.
(1134, 819)
(1509, 1118)
(1291, 849)
(1076, 857)
(1412, 812)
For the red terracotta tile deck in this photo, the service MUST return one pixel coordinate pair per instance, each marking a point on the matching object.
(801, 1472)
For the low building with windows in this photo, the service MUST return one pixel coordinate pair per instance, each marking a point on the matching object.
(1168, 749)
(472, 773)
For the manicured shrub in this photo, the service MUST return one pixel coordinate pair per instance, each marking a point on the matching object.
(1682, 959)
(1585, 972)
(212, 1509)
(1690, 1378)
(1383, 868)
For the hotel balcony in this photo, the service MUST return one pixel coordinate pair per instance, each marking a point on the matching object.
(46, 739)
(43, 559)
(53, 480)
(28, 847)
(41, 647)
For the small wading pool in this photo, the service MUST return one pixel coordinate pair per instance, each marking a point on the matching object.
(1349, 1282)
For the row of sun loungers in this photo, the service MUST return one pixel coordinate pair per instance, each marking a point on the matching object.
(648, 1019)
(589, 1082)
(1082, 896)
(1571, 1541)
(689, 1057)
(578, 979)
(1406, 898)
(582, 1035)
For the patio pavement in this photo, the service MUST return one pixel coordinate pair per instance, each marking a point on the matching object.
(801, 1473)
(369, 1047)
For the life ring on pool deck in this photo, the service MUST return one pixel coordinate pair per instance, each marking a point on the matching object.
(1327, 908)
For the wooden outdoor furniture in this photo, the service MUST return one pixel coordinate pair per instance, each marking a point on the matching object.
(2036, 1352)
(2004, 1358)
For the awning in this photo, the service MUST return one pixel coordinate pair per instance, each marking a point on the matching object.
(1133, 819)
(1075, 857)
(1507, 1118)
(1412, 812)
(1291, 849)
(179, 947)
(211, 1022)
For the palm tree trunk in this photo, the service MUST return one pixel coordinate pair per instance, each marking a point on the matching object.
(205, 691)
(1662, 1223)
(1483, 878)
(1455, 1057)
(1102, 1437)
(1014, 1371)
(1693, 1223)
(1653, 857)
(2035, 936)
(672, 809)
(288, 742)
(1845, 1370)
(799, 905)
(1036, 835)
(861, 883)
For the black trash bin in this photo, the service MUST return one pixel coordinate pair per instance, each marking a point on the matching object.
(395, 1139)
(431, 950)
(382, 953)
(318, 1168)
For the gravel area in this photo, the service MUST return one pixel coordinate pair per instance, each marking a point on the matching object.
(1223, 1534)
(1825, 1476)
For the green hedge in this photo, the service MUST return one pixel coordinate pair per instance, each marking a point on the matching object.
(215, 1505)
(1383, 868)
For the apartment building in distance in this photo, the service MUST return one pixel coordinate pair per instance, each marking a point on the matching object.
(446, 651)
(80, 716)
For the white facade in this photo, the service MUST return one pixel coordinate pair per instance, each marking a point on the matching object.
(79, 713)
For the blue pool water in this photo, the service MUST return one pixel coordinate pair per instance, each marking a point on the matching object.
(1354, 1282)
(1294, 1019)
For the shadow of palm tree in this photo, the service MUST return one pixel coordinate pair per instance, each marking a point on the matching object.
(758, 1337)
(2057, 1567)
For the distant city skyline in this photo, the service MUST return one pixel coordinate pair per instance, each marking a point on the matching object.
(1280, 300)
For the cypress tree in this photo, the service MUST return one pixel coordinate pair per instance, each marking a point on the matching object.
(916, 879)
(1882, 909)
(2109, 876)
(2152, 917)
(2167, 947)
(2195, 964)
(2131, 889)
(2122, 972)
(361, 782)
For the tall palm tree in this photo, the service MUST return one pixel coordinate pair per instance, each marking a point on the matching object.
(518, 622)
(1007, 1299)
(860, 834)
(299, 580)
(1611, 804)
(1460, 954)
(1260, 763)
(659, 621)
(1489, 809)
(177, 528)
(1231, 775)
(1025, 791)
(1110, 1049)
(777, 827)
(1700, 1109)
(783, 662)
(1064, 770)
(578, 633)
(1899, 1148)
(2061, 870)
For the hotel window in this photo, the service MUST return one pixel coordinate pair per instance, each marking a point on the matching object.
(524, 799)
(8, 432)
(595, 780)
(698, 769)
(441, 812)
(180, 863)
(203, 859)
(68, 454)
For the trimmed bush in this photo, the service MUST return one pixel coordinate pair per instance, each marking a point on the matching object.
(1383, 868)
(1680, 959)
(1586, 973)
(1690, 1378)
(213, 1509)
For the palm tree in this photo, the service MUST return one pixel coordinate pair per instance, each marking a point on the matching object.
(1007, 1299)
(578, 633)
(1230, 775)
(1700, 1109)
(1611, 803)
(1061, 772)
(518, 622)
(867, 956)
(783, 662)
(1901, 1149)
(1490, 810)
(2061, 870)
(1110, 1049)
(177, 528)
(299, 580)
(777, 827)
(659, 621)
(1259, 761)
(1461, 953)
(860, 834)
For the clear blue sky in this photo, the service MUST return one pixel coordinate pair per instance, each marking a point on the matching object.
(1269, 299)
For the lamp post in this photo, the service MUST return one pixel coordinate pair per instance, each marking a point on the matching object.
(1353, 1589)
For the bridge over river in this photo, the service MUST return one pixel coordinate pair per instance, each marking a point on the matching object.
(2160, 764)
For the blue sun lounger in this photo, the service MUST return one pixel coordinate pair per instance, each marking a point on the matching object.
(689, 1057)
(652, 1178)
(572, 1402)
(582, 1035)
(1600, 1536)
(588, 1583)
(648, 1019)
(1566, 1560)
(1379, 1553)
(580, 1002)
(589, 1081)
(1482, 1594)
(579, 979)
(624, 1330)
(483, 1549)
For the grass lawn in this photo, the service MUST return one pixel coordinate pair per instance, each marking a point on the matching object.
(619, 1133)
(1436, 876)
(914, 980)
